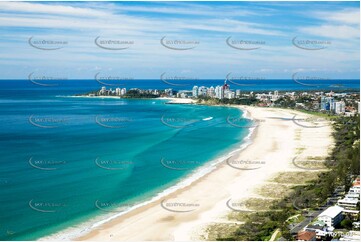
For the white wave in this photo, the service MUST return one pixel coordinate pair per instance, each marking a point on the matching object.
(86, 227)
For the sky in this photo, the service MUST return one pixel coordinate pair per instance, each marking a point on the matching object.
(203, 40)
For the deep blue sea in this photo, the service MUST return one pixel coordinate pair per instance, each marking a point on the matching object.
(68, 162)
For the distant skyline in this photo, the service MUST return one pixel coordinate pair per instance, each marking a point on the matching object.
(149, 27)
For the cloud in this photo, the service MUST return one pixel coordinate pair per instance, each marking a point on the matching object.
(345, 16)
(147, 23)
(33, 8)
(333, 31)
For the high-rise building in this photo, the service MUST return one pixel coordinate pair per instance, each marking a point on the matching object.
(225, 86)
(123, 91)
(117, 91)
(202, 91)
(331, 102)
(103, 91)
(195, 91)
(323, 104)
(219, 92)
(327, 103)
(210, 92)
(339, 107)
(238, 93)
(229, 94)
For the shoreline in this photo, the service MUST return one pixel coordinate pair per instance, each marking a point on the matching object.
(215, 164)
(228, 181)
(183, 184)
(274, 140)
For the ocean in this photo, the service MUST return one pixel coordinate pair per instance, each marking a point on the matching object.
(67, 164)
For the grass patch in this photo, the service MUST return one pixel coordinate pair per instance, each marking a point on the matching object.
(239, 216)
(272, 190)
(219, 230)
(295, 177)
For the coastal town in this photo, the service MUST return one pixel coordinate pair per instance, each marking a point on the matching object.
(339, 219)
(342, 102)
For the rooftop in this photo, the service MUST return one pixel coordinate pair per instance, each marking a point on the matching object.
(349, 200)
(331, 211)
(305, 235)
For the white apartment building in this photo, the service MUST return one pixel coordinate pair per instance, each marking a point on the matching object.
(123, 91)
(331, 216)
(348, 203)
(195, 91)
(339, 107)
(219, 92)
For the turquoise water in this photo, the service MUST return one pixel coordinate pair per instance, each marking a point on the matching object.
(67, 160)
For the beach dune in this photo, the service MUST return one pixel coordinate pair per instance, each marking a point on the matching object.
(275, 143)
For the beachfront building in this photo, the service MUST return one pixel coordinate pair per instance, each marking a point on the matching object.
(184, 93)
(348, 203)
(229, 94)
(331, 216)
(195, 91)
(123, 91)
(319, 227)
(117, 91)
(351, 202)
(211, 92)
(103, 91)
(168, 92)
(202, 91)
(219, 92)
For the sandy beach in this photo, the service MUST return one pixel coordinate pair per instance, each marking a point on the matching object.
(276, 141)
